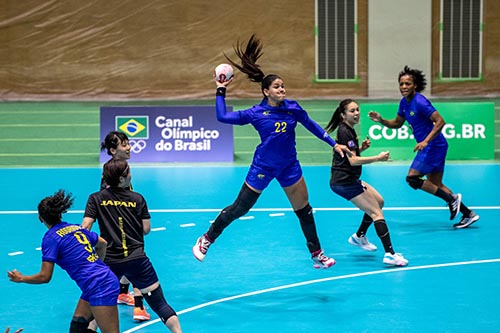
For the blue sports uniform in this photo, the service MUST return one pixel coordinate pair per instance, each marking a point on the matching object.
(72, 248)
(417, 113)
(276, 155)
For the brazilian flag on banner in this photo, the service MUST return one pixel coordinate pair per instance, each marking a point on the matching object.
(134, 127)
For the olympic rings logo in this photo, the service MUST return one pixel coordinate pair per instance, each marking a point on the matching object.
(136, 146)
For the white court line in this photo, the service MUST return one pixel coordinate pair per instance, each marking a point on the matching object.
(20, 212)
(304, 283)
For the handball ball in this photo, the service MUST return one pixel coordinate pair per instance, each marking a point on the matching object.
(224, 72)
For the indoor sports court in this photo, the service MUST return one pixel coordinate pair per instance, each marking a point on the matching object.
(258, 276)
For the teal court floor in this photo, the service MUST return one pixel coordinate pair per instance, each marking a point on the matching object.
(258, 276)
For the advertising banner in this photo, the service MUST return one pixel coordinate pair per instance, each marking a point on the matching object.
(169, 133)
(469, 131)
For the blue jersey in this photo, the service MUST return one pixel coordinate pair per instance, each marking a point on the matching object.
(276, 128)
(417, 113)
(72, 248)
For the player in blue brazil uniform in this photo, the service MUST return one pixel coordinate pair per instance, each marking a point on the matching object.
(275, 119)
(431, 147)
(79, 252)
(345, 181)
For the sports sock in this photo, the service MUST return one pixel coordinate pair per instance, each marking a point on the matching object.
(383, 234)
(366, 222)
(138, 302)
(443, 195)
(124, 288)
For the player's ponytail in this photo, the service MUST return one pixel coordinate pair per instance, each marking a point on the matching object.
(248, 56)
(336, 117)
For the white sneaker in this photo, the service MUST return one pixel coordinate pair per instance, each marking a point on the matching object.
(466, 221)
(201, 247)
(321, 261)
(395, 259)
(362, 242)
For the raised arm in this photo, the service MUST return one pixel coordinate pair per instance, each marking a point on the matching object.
(394, 123)
(220, 105)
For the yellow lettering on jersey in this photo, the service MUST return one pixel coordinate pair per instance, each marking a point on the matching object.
(67, 230)
(117, 203)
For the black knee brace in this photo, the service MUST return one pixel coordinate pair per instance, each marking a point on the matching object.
(245, 200)
(79, 325)
(415, 182)
(159, 305)
(308, 226)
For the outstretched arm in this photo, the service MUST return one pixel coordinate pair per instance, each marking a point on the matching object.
(319, 132)
(394, 123)
(360, 160)
(44, 276)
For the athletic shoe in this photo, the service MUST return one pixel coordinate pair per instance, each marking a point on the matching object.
(362, 242)
(321, 261)
(395, 259)
(201, 247)
(466, 221)
(127, 299)
(455, 205)
(141, 314)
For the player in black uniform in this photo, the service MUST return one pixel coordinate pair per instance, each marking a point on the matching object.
(124, 219)
(345, 181)
(117, 146)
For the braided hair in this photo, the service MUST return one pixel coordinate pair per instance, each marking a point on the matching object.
(52, 207)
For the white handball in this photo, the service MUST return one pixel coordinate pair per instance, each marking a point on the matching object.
(224, 72)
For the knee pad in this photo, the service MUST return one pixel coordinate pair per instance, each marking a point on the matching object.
(415, 182)
(158, 304)
(79, 325)
(246, 199)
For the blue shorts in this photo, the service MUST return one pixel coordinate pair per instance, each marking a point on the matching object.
(259, 178)
(348, 191)
(140, 272)
(430, 160)
(102, 292)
